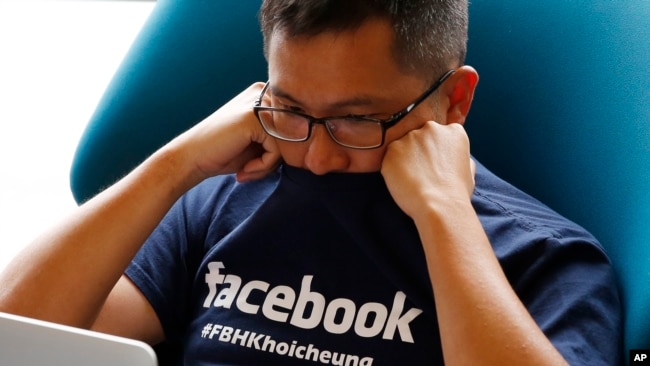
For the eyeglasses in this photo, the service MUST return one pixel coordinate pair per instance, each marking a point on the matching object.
(351, 131)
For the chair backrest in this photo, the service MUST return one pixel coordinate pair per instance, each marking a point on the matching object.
(189, 59)
(562, 109)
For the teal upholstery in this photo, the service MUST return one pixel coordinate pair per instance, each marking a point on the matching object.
(562, 109)
(189, 59)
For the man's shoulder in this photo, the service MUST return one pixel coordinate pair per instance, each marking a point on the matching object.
(499, 204)
(226, 185)
(221, 192)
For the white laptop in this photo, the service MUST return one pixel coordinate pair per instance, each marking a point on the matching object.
(29, 342)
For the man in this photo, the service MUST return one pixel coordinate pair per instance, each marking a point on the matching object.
(357, 229)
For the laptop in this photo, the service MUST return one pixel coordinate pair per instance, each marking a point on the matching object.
(30, 342)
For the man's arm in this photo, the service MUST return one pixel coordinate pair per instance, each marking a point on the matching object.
(67, 274)
(480, 316)
(128, 313)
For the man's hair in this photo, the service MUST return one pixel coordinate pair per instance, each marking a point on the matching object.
(430, 35)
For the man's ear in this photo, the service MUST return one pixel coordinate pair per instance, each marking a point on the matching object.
(459, 91)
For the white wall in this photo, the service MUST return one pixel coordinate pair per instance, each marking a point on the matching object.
(56, 58)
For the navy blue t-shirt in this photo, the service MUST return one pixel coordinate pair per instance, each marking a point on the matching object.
(300, 269)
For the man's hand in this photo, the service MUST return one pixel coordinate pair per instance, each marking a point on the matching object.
(429, 165)
(231, 140)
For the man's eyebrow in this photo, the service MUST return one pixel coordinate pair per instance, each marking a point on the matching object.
(282, 94)
(356, 101)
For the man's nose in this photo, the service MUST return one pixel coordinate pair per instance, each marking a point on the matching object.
(324, 155)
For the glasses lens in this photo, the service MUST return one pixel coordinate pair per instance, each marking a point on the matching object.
(284, 124)
(356, 132)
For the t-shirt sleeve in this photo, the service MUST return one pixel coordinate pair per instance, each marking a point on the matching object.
(161, 269)
(571, 293)
(560, 272)
(165, 268)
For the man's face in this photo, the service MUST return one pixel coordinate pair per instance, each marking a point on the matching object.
(335, 74)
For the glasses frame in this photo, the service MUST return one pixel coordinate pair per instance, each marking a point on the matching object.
(311, 120)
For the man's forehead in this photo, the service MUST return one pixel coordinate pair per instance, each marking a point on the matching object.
(343, 101)
(349, 69)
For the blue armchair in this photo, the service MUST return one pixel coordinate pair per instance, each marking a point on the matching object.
(562, 109)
